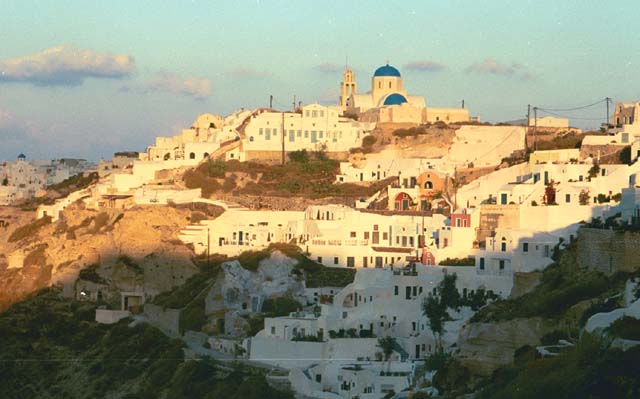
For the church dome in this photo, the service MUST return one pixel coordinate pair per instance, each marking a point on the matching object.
(395, 99)
(22, 156)
(386, 70)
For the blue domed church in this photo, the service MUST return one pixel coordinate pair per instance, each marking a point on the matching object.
(386, 90)
(389, 102)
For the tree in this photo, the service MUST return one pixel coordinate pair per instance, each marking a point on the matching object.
(595, 169)
(387, 344)
(301, 156)
(449, 295)
(584, 197)
(437, 314)
(421, 395)
(435, 306)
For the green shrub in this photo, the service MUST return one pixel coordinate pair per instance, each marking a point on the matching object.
(250, 260)
(216, 169)
(280, 306)
(30, 229)
(90, 273)
(458, 262)
(368, 142)
(626, 328)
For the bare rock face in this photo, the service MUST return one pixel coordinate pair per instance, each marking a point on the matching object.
(144, 237)
(243, 290)
(523, 283)
(485, 347)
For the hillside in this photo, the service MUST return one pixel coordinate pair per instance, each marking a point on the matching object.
(497, 349)
(51, 348)
(409, 140)
(114, 240)
(307, 176)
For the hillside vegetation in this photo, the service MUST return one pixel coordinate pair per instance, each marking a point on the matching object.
(593, 369)
(51, 348)
(307, 174)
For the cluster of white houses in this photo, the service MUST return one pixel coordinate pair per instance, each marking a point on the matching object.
(24, 179)
(402, 241)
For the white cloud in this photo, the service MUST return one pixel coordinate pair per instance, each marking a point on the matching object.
(196, 87)
(425, 66)
(328, 67)
(492, 67)
(65, 66)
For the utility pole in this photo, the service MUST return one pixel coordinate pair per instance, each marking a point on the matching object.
(462, 103)
(535, 128)
(294, 103)
(282, 135)
(608, 100)
(208, 247)
(271, 101)
(526, 143)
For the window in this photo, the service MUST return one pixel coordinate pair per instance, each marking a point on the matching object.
(260, 131)
(481, 263)
(567, 198)
(292, 135)
(407, 292)
(306, 134)
(335, 260)
(525, 247)
(273, 330)
(503, 247)
(319, 259)
(385, 236)
(352, 234)
(366, 235)
(501, 264)
(351, 261)
(395, 290)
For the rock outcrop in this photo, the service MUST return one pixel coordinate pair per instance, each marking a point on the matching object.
(55, 253)
(484, 347)
(243, 290)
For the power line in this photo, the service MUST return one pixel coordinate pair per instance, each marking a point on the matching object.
(574, 108)
(571, 117)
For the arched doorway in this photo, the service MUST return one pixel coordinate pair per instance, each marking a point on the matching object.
(402, 202)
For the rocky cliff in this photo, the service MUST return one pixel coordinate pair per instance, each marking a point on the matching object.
(484, 347)
(138, 247)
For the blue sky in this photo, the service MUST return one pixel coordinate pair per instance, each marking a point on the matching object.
(127, 71)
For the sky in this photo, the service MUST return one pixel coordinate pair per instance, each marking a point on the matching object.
(86, 79)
